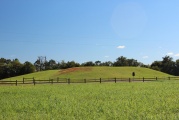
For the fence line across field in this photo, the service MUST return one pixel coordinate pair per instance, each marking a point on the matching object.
(75, 80)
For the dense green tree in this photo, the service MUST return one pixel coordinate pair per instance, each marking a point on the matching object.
(168, 65)
(2, 61)
(121, 61)
(156, 65)
(37, 65)
(51, 65)
(10, 68)
(132, 62)
(98, 63)
(176, 67)
(4, 71)
(107, 63)
(71, 64)
(28, 68)
(15, 68)
(89, 63)
(62, 65)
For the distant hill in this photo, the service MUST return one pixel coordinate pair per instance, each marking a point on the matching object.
(94, 72)
(110, 72)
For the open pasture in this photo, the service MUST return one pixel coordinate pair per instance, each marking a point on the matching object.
(94, 73)
(88, 75)
(151, 100)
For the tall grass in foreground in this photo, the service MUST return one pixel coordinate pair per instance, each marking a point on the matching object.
(120, 101)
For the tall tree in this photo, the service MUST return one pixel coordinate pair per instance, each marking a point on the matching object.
(37, 65)
(98, 63)
(71, 64)
(177, 67)
(89, 63)
(132, 62)
(16, 67)
(168, 65)
(27, 68)
(62, 65)
(51, 64)
(107, 63)
(156, 65)
(121, 61)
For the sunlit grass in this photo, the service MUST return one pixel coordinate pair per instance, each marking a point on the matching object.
(96, 72)
(151, 100)
(37, 75)
(111, 72)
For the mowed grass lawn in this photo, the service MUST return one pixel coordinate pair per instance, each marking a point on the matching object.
(109, 72)
(94, 73)
(107, 101)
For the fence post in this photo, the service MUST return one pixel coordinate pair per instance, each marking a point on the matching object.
(34, 81)
(52, 81)
(84, 80)
(16, 82)
(129, 79)
(156, 78)
(143, 79)
(57, 79)
(100, 80)
(23, 80)
(169, 78)
(115, 80)
(69, 81)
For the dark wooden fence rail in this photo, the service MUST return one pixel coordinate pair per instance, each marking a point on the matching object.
(173, 78)
(69, 81)
(15, 82)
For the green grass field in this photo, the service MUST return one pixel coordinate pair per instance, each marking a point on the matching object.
(94, 72)
(107, 101)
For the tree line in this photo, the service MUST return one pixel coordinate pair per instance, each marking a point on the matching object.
(52, 64)
(167, 65)
(11, 68)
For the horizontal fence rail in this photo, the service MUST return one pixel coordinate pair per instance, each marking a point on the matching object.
(69, 81)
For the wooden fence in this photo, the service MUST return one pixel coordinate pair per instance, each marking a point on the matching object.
(69, 81)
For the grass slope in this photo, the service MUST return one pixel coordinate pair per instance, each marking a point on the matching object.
(95, 72)
(37, 75)
(110, 72)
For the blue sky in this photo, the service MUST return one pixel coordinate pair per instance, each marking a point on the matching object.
(89, 30)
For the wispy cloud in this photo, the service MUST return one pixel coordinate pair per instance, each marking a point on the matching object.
(173, 54)
(176, 55)
(145, 57)
(121, 47)
(106, 56)
(170, 53)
